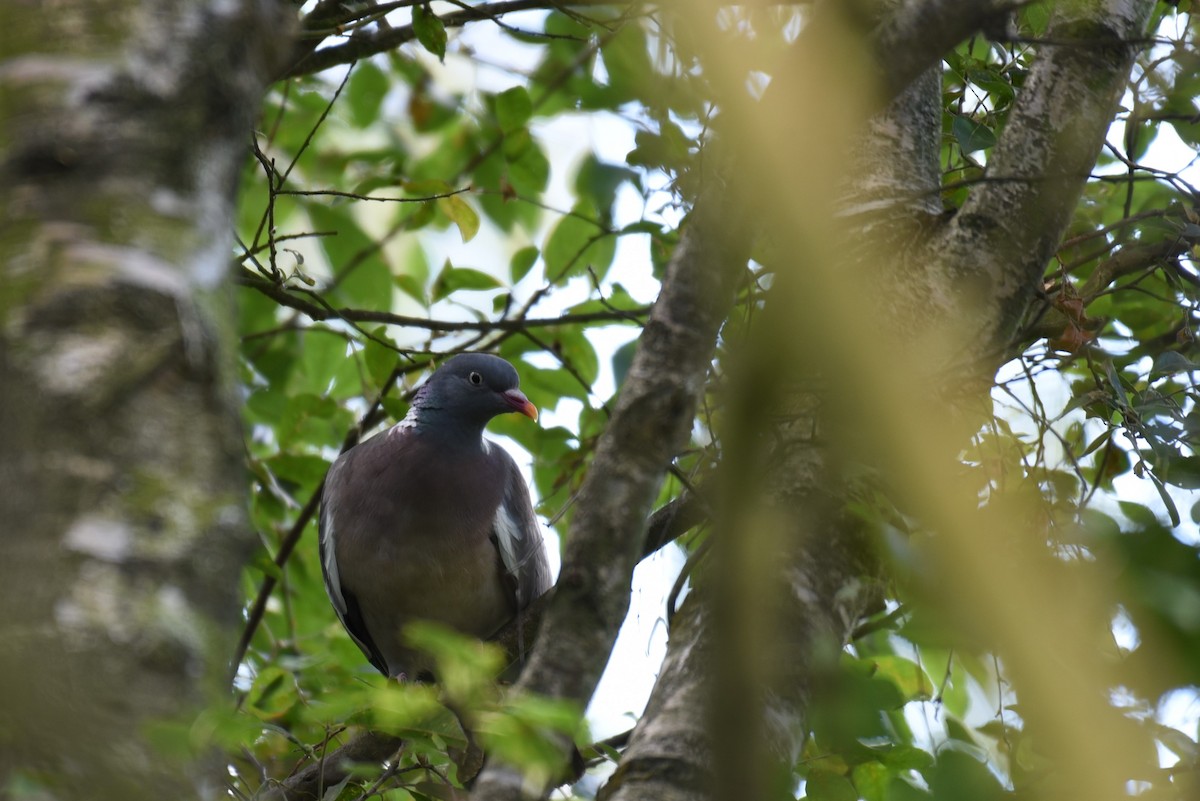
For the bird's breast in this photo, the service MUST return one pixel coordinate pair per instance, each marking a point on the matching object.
(413, 541)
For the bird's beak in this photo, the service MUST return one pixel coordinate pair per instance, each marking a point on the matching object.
(519, 403)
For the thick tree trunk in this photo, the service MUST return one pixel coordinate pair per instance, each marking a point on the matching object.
(123, 507)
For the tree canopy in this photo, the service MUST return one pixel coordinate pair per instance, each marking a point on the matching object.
(882, 313)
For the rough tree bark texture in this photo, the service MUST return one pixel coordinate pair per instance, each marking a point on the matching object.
(123, 501)
(998, 244)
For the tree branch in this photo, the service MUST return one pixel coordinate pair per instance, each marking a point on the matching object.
(1007, 231)
(285, 297)
(913, 37)
(309, 61)
(309, 784)
(651, 421)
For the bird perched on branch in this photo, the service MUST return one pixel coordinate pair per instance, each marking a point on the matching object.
(429, 520)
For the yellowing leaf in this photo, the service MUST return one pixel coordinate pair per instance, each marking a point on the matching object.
(461, 214)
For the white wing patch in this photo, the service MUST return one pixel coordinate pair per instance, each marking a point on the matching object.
(329, 558)
(508, 537)
(333, 581)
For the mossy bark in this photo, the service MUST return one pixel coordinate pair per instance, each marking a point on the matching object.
(123, 503)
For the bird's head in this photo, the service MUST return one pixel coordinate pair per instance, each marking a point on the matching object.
(470, 389)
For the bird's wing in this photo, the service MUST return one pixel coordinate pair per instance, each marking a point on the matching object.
(518, 536)
(344, 602)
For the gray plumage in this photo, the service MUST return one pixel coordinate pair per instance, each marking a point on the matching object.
(429, 520)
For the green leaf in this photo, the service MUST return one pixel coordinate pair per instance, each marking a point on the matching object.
(426, 187)
(627, 61)
(527, 733)
(461, 214)
(272, 694)
(1167, 500)
(902, 789)
(400, 708)
(1170, 362)
(222, 725)
(1139, 514)
(577, 243)
(430, 31)
(466, 667)
(365, 93)
(513, 109)
(972, 135)
(668, 149)
(642, 227)
(516, 143)
(364, 281)
(990, 80)
(429, 111)
(323, 352)
(545, 387)
(492, 176)
(576, 350)
(263, 562)
(907, 757)
(380, 361)
(451, 279)
(599, 182)
(307, 420)
(959, 774)
(1114, 379)
(454, 150)
(829, 787)
(415, 275)
(529, 173)
(909, 677)
(522, 262)
(266, 406)
(299, 468)
(871, 779)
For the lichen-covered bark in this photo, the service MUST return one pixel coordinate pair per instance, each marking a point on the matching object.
(651, 422)
(123, 516)
(993, 252)
(896, 171)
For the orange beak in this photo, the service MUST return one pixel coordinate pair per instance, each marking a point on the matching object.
(520, 404)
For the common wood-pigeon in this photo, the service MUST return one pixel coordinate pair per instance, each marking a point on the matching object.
(429, 520)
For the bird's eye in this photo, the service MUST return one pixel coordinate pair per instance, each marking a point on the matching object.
(475, 378)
